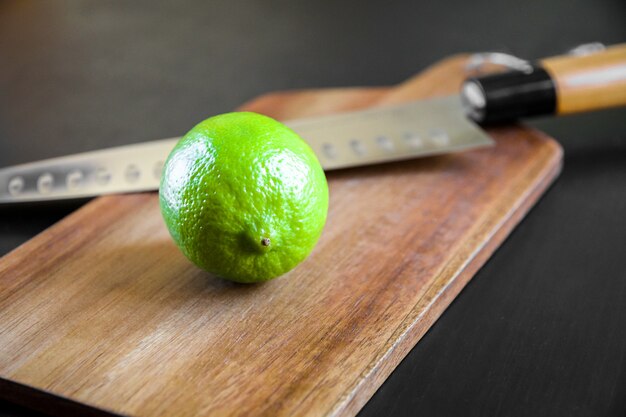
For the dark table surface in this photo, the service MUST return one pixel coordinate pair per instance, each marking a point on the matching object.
(540, 330)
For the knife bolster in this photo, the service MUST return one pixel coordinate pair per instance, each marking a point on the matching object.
(509, 95)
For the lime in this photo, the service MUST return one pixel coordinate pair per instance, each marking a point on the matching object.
(244, 197)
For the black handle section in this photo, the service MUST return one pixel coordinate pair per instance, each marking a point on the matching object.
(509, 96)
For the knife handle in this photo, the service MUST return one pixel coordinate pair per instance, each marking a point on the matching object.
(557, 85)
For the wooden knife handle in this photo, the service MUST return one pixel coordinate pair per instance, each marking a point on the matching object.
(557, 85)
(589, 82)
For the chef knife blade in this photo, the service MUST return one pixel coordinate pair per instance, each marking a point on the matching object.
(371, 136)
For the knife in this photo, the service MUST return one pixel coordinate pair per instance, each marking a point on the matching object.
(558, 85)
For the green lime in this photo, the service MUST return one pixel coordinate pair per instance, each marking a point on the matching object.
(244, 197)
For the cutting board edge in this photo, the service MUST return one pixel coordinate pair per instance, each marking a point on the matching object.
(37, 399)
(415, 329)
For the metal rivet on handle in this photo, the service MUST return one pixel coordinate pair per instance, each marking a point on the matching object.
(16, 185)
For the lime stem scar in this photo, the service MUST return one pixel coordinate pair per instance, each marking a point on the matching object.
(265, 241)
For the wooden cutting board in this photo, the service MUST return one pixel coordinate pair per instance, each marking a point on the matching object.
(102, 314)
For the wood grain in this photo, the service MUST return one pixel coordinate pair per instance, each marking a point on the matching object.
(102, 310)
(589, 82)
